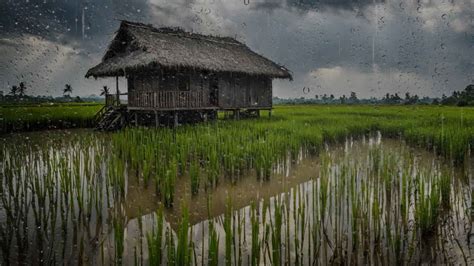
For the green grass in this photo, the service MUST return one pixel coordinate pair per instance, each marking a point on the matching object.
(39, 117)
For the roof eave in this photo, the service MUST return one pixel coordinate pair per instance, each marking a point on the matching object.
(104, 74)
(97, 73)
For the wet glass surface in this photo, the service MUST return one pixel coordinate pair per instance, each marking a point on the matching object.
(242, 132)
(369, 186)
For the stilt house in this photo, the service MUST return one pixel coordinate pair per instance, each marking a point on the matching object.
(178, 74)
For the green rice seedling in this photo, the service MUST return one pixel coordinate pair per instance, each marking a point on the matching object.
(213, 245)
(427, 207)
(315, 226)
(295, 217)
(302, 217)
(184, 246)
(323, 191)
(255, 231)
(170, 248)
(119, 240)
(194, 174)
(147, 165)
(287, 218)
(155, 240)
(266, 248)
(355, 211)
(212, 168)
(116, 175)
(276, 226)
(238, 252)
(182, 156)
(228, 231)
(235, 237)
(168, 184)
(445, 188)
(404, 196)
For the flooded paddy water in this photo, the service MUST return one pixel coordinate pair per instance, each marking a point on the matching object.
(369, 200)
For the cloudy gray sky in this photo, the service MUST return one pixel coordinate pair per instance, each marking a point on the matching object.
(372, 47)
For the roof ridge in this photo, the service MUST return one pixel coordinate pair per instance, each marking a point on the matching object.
(177, 31)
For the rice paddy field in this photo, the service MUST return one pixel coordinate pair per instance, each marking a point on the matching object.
(310, 185)
(14, 118)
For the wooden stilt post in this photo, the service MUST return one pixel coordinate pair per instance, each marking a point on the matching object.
(136, 119)
(157, 122)
(270, 113)
(258, 113)
(117, 90)
(236, 114)
(175, 118)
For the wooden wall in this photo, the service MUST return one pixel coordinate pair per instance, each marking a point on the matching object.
(160, 82)
(235, 90)
(244, 91)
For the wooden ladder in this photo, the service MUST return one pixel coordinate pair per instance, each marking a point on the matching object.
(110, 118)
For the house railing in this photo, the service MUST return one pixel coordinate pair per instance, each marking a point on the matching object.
(113, 99)
(168, 99)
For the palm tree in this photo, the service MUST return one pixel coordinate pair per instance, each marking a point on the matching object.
(353, 96)
(104, 91)
(14, 90)
(21, 89)
(67, 90)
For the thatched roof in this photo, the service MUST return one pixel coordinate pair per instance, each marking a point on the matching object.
(138, 46)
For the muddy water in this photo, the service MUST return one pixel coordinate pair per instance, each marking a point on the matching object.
(296, 180)
(242, 191)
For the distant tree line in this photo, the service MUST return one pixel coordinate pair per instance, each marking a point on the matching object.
(458, 98)
(18, 94)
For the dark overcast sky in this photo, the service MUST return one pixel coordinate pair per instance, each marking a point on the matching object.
(371, 47)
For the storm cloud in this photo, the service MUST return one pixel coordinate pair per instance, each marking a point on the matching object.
(331, 46)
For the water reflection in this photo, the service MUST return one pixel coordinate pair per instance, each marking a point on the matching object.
(355, 203)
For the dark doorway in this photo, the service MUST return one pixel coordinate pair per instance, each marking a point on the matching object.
(214, 91)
